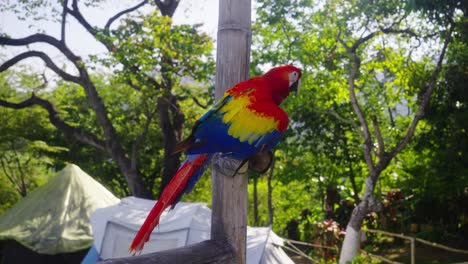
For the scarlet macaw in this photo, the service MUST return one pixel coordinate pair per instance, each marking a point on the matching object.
(246, 121)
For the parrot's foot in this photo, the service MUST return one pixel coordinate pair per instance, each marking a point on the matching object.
(261, 162)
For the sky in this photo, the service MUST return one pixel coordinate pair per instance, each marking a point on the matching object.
(79, 40)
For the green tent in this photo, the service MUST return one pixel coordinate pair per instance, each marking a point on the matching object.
(54, 218)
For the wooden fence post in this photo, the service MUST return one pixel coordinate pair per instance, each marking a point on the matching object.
(413, 250)
(229, 194)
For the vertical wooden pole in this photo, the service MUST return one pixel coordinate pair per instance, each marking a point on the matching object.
(413, 250)
(229, 194)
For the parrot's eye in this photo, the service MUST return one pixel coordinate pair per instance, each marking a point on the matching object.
(295, 74)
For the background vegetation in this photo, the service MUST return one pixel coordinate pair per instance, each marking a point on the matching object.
(156, 79)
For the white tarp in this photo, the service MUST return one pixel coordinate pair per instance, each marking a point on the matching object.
(188, 223)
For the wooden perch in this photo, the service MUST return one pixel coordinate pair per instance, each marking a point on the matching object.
(209, 251)
(229, 194)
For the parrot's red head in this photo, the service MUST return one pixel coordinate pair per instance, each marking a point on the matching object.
(283, 80)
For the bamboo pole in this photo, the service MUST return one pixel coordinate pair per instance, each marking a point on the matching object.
(229, 193)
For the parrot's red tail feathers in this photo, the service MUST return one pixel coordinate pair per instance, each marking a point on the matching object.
(169, 196)
(152, 220)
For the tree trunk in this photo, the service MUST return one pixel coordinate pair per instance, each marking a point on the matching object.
(331, 198)
(351, 243)
(113, 143)
(255, 200)
(134, 180)
(270, 191)
(229, 194)
(172, 130)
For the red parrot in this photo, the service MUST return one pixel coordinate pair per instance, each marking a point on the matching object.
(245, 121)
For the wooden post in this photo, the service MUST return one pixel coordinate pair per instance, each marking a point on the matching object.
(413, 250)
(229, 194)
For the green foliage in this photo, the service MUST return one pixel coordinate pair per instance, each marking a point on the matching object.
(150, 58)
(439, 153)
(365, 259)
(323, 148)
(27, 156)
(40, 10)
(289, 200)
(320, 170)
(8, 196)
(157, 49)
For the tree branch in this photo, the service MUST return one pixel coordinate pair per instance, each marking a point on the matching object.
(11, 178)
(352, 93)
(151, 80)
(426, 96)
(112, 144)
(75, 12)
(406, 31)
(167, 7)
(57, 121)
(64, 20)
(378, 135)
(21, 177)
(126, 11)
(48, 61)
(356, 62)
(42, 85)
(197, 102)
(344, 120)
(341, 41)
(134, 86)
(149, 119)
(41, 38)
(194, 98)
(361, 41)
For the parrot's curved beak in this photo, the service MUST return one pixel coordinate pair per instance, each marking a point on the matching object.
(294, 87)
